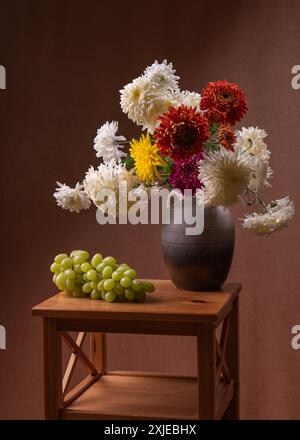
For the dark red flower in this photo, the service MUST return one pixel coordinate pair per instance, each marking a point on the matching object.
(224, 101)
(182, 132)
(227, 137)
(215, 117)
(185, 174)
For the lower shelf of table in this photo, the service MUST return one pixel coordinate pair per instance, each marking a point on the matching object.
(119, 396)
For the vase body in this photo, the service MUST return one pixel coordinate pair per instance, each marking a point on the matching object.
(200, 262)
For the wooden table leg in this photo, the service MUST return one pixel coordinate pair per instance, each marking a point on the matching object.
(98, 351)
(206, 359)
(232, 356)
(52, 368)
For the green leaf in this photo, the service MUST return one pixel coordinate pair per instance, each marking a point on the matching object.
(166, 169)
(129, 162)
(211, 147)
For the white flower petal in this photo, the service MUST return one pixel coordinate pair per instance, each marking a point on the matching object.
(250, 143)
(109, 176)
(143, 102)
(225, 176)
(162, 75)
(73, 199)
(278, 214)
(105, 143)
(190, 99)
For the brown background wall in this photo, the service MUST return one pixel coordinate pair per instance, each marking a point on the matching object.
(66, 61)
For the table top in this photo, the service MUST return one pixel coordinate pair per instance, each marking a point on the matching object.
(166, 303)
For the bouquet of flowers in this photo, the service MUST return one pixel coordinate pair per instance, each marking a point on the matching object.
(188, 142)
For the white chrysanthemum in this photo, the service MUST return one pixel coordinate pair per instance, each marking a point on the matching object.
(73, 199)
(250, 142)
(190, 99)
(225, 176)
(261, 174)
(108, 176)
(106, 142)
(162, 75)
(143, 102)
(278, 214)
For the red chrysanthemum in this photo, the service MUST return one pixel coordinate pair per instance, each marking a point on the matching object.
(182, 132)
(215, 117)
(185, 174)
(224, 101)
(227, 137)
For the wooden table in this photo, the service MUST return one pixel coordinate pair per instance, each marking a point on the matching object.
(210, 316)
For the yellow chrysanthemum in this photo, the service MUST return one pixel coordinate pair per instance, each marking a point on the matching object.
(146, 158)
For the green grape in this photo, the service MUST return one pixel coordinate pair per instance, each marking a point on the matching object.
(109, 260)
(137, 285)
(101, 278)
(87, 288)
(91, 275)
(74, 253)
(85, 267)
(83, 294)
(116, 275)
(69, 284)
(109, 284)
(77, 268)
(107, 271)
(100, 285)
(66, 263)
(55, 267)
(130, 273)
(58, 259)
(129, 294)
(79, 253)
(125, 282)
(77, 291)
(78, 278)
(123, 267)
(61, 281)
(70, 274)
(84, 254)
(96, 260)
(79, 259)
(110, 296)
(100, 267)
(147, 286)
(95, 283)
(95, 294)
(118, 289)
(140, 296)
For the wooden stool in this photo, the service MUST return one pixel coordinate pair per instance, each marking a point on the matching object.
(210, 316)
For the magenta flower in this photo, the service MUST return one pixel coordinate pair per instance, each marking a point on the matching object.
(185, 174)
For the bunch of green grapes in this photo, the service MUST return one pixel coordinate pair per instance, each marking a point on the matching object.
(98, 277)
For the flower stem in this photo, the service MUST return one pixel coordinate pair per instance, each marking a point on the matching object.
(123, 142)
(258, 198)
